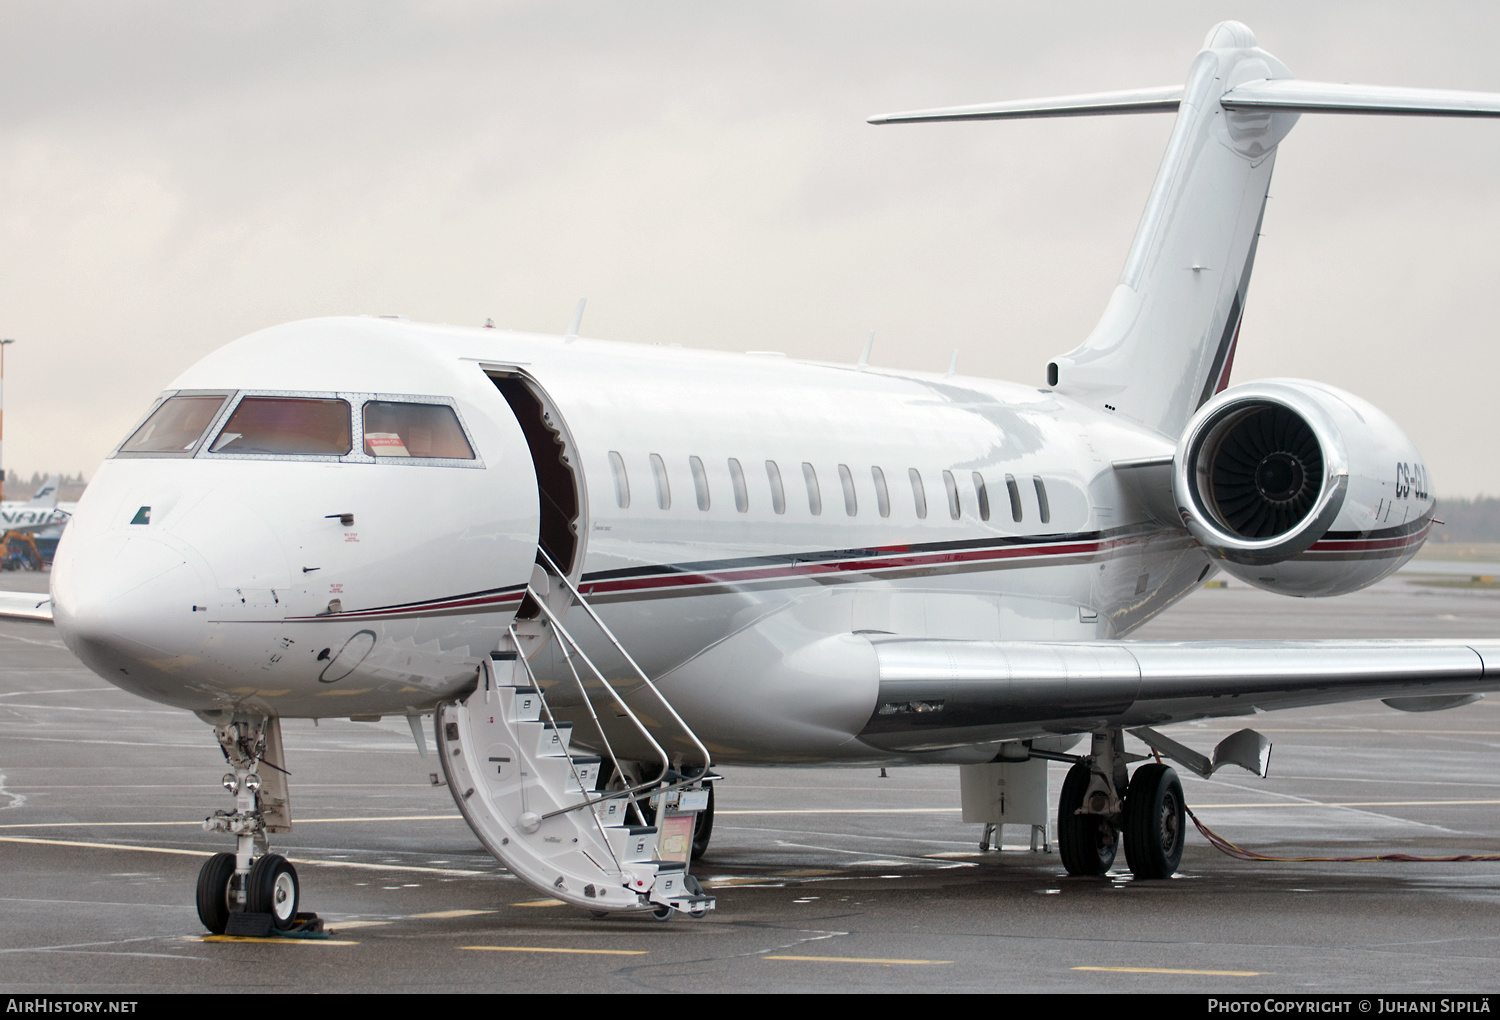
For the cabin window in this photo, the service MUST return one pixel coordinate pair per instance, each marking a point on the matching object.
(983, 495)
(778, 494)
(814, 495)
(700, 482)
(949, 483)
(882, 495)
(1015, 497)
(287, 426)
(175, 426)
(1041, 499)
(741, 490)
(622, 480)
(663, 487)
(846, 479)
(918, 493)
(398, 429)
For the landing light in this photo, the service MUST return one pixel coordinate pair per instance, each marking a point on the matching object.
(252, 782)
(231, 782)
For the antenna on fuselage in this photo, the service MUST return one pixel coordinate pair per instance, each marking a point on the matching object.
(864, 359)
(577, 320)
(952, 365)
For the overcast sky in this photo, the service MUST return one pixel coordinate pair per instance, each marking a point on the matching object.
(174, 175)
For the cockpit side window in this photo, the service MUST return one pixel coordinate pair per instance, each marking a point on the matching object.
(176, 426)
(286, 426)
(399, 429)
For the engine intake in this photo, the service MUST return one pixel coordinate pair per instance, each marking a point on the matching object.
(1261, 473)
(1266, 471)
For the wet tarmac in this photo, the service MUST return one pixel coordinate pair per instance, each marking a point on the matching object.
(827, 879)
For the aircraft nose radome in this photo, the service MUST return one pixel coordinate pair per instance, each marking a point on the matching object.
(124, 605)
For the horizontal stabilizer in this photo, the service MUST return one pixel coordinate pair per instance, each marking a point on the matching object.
(1295, 96)
(1156, 100)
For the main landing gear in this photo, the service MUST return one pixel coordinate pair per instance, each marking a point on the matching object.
(1092, 813)
(250, 881)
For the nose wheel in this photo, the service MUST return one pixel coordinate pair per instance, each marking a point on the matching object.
(213, 892)
(272, 889)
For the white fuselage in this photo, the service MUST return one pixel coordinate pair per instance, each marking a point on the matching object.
(240, 587)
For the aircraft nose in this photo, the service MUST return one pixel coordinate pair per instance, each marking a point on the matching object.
(124, 604)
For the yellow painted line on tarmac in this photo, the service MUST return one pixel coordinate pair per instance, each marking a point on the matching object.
(1177, 970)
(847, 811)
(338, 926)
(1348, 803)
(199, 823)
(852, 959)
(444, 915)
(549, 949)
(541, 903)
(459, 872)
(277, 941)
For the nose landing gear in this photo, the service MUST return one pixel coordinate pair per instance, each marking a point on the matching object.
(250, 881)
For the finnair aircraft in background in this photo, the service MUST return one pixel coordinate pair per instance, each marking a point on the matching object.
(654, 559)
(41, 511)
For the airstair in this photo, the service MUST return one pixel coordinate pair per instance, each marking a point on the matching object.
(532, 799)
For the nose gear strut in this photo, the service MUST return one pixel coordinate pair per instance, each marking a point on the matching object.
(251, 889)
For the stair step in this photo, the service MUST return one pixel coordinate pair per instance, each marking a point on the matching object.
(556, 772)
(543, 739)
(632, 843)
(507, 670)
(520, 704)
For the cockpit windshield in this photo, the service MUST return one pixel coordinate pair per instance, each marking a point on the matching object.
(176, 426)
(287, 426)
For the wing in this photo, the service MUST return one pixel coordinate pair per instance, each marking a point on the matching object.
(938, 694)
(26, 605)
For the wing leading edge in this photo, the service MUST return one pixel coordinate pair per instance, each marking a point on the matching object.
(937, 694)
(26, 605)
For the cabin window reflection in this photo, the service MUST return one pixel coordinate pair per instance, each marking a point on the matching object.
(954, 510)
(778, 494)
(175, 426)
(400, 429)
(700, 482)
(663, 487)
(1015, 497)
(918, 493)
(622, 480)
(741, 490)
(846, 479)
(982, 494)
(1041, 499)
(882, 494)
(814, 494)
(286, 426)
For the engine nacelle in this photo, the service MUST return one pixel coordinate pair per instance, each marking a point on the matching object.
(1300, 488)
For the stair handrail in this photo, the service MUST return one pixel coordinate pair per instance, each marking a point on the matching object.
(609, 634)
(564, 636)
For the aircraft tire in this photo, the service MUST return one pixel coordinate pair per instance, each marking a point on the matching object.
(1155, 822)
(213, 892)
(272, 889)
(1086, 843)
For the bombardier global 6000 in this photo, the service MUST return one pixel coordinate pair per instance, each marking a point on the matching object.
(654, 560)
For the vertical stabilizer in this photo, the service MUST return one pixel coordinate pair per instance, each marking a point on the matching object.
(1165, 343)
(46, 496)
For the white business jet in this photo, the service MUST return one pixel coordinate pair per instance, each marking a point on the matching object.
(653, 559)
